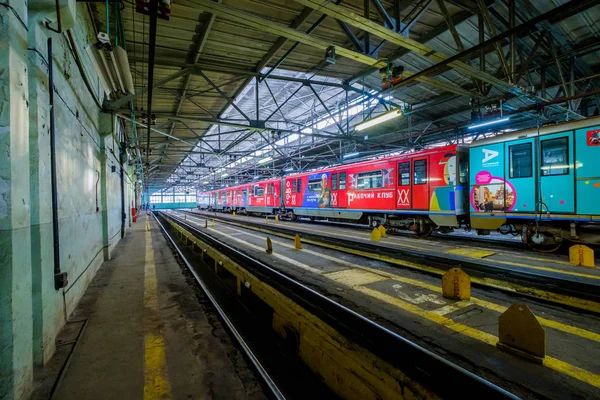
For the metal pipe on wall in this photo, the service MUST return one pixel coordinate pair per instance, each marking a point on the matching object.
(60, 278)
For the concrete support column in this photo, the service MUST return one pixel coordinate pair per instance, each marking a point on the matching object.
(107, 123)
(16, 367)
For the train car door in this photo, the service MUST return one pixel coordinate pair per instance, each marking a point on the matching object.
(588, 176)
(245, 196)
(420, 183)
(342, 196)
(557, 181)
(519, 190)
(403, 192)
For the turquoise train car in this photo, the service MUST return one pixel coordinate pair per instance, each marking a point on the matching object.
(543, 184)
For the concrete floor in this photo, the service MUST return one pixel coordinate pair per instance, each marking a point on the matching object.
(148, 336)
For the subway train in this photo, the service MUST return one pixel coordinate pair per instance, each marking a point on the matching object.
(541, 184)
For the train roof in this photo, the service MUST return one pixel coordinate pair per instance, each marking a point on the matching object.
(546, 130)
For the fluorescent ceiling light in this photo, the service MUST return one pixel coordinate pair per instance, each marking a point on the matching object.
(265, 160)
(224, 175)
(205, 183)
(496, 121)
(288, 169)
(348, 155)
(378, 120)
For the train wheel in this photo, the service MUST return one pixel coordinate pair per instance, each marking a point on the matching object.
(427, 230)
(549, 245)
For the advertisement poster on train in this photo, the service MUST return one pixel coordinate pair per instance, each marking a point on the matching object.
(371, 188)
(593, 137)
(442, 181)
(490, 192)
(318, 192)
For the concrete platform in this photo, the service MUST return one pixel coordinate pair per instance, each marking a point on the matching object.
(147, 335)
(543, 264)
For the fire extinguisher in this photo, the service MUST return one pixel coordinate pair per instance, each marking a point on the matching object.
(134, 214)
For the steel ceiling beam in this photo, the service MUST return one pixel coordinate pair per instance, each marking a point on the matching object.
(115, 104)
(553, 16)
(345, 15)
(263, 25)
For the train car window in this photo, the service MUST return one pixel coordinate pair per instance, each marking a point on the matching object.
(520, 158)
(294, 186)
(342, 181)
(259, 190)
(404, 173)
(299, 182)
(369, 180)
(420, 173)
(334, 182)
(314, 185)
(555, 157)
(270, 188)
(245, 192)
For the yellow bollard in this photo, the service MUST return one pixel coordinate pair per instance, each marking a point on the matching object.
(213, 222)
(581, 255)
(266, 220)
(375, 235)
(456, 284)
(521, 333)
(269, 246)
(234, 213)
(297, 242)
(277, 218)
(382, 231)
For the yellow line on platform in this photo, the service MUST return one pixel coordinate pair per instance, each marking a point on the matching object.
(438, 289)
(551, 362)
(156, 379)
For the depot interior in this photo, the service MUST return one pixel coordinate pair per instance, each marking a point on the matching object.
(109, 107)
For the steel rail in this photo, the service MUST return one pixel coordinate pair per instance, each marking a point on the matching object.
(422, 365)
(239, 338)
(570, 286)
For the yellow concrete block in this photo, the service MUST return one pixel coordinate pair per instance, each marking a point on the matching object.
(269, 246)
(456, 284)
(581, 255)
(297, 242)
(213, 222)
(266, 220)
(375, 235)
(521, 333)
(382, 231)
(277, 218)
(233, 214)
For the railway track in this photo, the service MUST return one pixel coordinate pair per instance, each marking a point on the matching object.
(566, 289)
(420, 369)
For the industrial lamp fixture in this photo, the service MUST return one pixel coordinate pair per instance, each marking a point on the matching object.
(112, 65)
(378, 119)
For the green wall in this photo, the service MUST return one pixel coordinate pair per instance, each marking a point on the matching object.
(32, 312)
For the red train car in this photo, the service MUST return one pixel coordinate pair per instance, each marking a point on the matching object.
(262, 197)
(414, 191)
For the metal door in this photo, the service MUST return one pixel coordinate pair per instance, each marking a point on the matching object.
(420, 183)
(403, 192)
